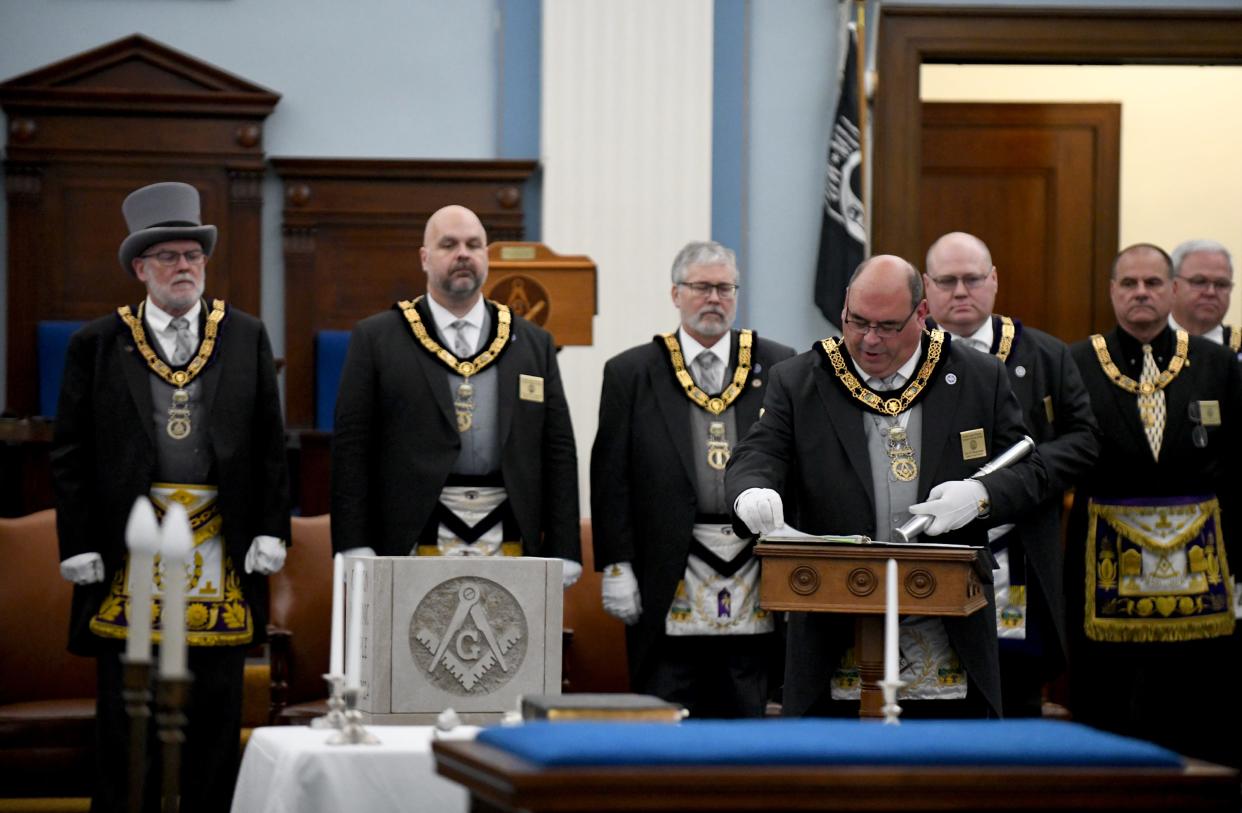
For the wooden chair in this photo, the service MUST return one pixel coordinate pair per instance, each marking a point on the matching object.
(47, 696)
(300, 624)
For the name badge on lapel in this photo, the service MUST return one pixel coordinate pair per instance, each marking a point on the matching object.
(973, 445)
(530, 388)
(1209, 413)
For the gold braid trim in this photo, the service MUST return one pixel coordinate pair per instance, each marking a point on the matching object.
(890, 406)
(1006, 339)
(178, 378)
(719, 403)
(1112, 515)
(1235, 339)
(1129, 384)
(465, 369)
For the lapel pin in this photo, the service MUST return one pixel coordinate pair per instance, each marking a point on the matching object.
(950, 379)
(1019, 371)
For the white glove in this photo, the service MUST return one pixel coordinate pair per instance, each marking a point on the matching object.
(362, 551)
(620, 593)
(761, 509)
(570, 573)
(266, 555)
(85, 568)
(953, 505)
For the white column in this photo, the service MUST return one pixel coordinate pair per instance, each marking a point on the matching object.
(626, 151)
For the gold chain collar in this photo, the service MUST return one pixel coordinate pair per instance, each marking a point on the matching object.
(1006, 340)
(178, 378)
(889, 406)
(1129, 384)
(467, 368)
(1235, 339)
(718, 404)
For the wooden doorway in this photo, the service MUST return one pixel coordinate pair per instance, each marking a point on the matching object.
(910, 36)
(1039, 184)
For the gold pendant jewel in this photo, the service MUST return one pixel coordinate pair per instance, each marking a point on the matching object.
(464, 406)
(717, 446)
(179, 415)
(903, 466)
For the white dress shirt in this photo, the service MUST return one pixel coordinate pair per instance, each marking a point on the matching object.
(161, 325)
(444, 319)
(690, 348)
(1216, 334)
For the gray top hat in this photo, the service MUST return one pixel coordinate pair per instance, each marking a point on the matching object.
(159, 213)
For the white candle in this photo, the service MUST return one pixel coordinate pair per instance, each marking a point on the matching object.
(142, 536)
(353, 671)
(177, 540)
(890, 624)
(336, 662)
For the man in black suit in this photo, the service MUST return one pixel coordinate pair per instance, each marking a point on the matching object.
(174, 400)
(860, 435)
(961, 292)
(1149, 600)
(1202, 285)
(452, 432)
(670, 412)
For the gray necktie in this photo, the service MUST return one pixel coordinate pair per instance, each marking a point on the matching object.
(184, 346)
(461, 348)
(707, 371)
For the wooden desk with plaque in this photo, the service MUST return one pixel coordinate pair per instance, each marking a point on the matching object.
(801, 574)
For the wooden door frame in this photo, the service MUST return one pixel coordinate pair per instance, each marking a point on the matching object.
(913, 35)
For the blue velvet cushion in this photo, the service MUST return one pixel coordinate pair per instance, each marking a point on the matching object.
(330, 347)
(51, 343)
(826, 742)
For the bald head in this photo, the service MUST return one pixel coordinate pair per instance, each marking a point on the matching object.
(451, 214)
(882, 322)
(961, 283)
(454, 256)
(884, 269)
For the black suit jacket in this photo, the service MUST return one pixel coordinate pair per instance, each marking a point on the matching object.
(810, 445)
(1068, 445)
(1125, 467)
(643, 499)
(104, 453)
(396, 440)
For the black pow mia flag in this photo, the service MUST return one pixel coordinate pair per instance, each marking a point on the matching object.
(842, 235)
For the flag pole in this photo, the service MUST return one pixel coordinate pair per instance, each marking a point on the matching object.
(864, 122)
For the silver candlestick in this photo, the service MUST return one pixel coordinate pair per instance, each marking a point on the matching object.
(353, 732)
(891, 710)
(335, 718)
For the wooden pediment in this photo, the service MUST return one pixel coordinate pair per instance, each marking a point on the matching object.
(136, 73)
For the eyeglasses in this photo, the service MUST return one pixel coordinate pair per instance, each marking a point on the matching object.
(948, 284)
(724, 290)
(169, 259)
(885, 330)
(1220, 286)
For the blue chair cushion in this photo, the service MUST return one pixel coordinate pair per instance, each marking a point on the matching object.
(51, 344)
(826, 742)
(330, 347)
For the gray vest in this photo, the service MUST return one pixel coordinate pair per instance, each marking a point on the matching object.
(188, 460)
(892, 496)
(709, 482)
(480, 445)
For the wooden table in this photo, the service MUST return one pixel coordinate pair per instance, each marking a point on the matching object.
(499, 781)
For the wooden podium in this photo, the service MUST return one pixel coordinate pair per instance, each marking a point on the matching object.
(555, 291)
(849, 578)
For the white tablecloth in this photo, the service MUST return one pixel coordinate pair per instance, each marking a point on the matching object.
(291, 769)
